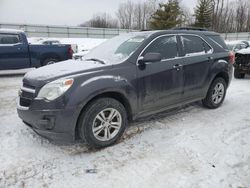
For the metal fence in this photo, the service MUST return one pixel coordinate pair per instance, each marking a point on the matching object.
(89, 32)
(65, 32)
(236, 36)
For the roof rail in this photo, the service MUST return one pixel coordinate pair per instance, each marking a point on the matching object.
(190, 28)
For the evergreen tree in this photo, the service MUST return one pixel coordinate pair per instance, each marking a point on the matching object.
(203, 14)
(167, 16)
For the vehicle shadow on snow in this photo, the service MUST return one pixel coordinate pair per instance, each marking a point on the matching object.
(137, 127)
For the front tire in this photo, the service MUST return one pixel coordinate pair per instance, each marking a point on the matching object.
(216, 94)
(102, 123)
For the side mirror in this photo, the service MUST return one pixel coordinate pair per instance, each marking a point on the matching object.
(150, 58)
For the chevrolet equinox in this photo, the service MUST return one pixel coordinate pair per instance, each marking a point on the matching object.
(127, 77)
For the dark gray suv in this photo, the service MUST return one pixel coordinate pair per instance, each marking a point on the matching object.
(127, 77)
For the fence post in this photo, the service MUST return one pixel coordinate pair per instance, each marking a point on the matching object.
(48, 31)
(87, 32)
(68, 31)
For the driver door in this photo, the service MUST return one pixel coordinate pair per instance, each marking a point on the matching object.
(160, 83)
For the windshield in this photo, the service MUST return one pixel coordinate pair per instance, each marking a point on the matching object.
(117, 49)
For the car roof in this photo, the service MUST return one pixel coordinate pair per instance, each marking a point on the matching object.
(11, 31)
(195, 32)
(175, 31)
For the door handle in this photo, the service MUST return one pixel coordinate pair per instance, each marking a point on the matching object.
(177, 67)
(19, 48)
(210, 58)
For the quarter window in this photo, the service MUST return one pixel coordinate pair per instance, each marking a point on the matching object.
(166, 46)
(193, 45)
(9, 39)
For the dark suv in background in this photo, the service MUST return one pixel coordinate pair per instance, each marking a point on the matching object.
(127, 77)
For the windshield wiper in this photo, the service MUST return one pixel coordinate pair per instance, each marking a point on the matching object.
(95, 59)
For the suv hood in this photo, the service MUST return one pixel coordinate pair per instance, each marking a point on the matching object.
(55, 71)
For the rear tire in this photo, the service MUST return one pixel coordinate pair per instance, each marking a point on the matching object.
(49, 61)
(102, 123)
(238, 74)
(216, 94)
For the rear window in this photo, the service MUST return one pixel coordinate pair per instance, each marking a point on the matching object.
(194, 45)
(9, 39)
(218, 40)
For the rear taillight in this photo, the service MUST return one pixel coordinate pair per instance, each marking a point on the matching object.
(70, 52)
(231, 57)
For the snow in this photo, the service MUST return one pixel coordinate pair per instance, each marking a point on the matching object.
(187, 147)
(61, 68)
(233, 42)
(244, 51)
(84, 44)
(15, 72)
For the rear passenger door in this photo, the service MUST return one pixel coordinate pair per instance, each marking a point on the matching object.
(160, 83)
(13, 53)
(197, 60)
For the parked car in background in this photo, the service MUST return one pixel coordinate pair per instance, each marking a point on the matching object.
(50, 42)
(242, 63)
(237, 45)
(56, 42)
(80, 55)
(125, 78)
(16, 53)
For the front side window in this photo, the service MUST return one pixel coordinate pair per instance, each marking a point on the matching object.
(9, 39)
(166, 46)
(193, 45)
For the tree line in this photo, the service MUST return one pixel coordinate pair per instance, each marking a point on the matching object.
(217, 15)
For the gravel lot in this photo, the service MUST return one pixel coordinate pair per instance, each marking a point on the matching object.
(188, 147)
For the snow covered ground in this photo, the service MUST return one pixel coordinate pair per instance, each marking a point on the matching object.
(188, 147)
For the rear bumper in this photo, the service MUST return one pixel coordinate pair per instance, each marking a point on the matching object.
(56, 125)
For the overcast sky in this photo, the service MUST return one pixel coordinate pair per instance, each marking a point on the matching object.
(59, 12)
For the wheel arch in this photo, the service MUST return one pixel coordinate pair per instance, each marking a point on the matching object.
(223, 75)
(109, 94)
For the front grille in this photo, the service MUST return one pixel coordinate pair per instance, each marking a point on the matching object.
(25, 85)
(27, 94)
(242, 59)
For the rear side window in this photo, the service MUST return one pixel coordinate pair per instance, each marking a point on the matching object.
(218, 40)
(9, 39)
(165, 45)
(193, 45)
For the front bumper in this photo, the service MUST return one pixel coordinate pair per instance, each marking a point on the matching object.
(243, 68)
(57, 125)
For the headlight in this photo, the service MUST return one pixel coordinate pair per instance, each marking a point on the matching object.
(55, 89)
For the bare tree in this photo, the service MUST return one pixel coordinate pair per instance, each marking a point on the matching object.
(101, 20)
(125, 15)
(135, 15)
(187, 16)
(231, 16)
(241, 16)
